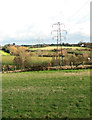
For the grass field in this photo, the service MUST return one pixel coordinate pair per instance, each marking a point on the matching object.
(4, 53)
(9, 60)
(36, 60)
(46, 94)
(55, 47)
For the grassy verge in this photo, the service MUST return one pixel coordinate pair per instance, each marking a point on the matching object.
(46, 94)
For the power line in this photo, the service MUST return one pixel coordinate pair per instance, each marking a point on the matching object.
(60, 29)
(76, 13)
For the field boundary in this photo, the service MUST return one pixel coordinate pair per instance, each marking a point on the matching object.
(53, 68)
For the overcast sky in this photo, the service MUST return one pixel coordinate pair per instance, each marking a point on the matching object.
(30, 21)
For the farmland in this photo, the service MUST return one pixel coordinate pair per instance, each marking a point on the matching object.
(55, 47)
(45, 54)
(7, 60)
(46, 94)
(4, 53)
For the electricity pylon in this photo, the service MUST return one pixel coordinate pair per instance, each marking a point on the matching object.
(59, 35)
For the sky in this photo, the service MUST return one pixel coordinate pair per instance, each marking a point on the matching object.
(30, 21)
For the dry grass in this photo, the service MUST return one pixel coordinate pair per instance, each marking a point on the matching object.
(55, 47)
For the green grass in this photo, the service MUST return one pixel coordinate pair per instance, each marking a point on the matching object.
(7, 60)
(43, 94)
(39, 60)
(4, 53)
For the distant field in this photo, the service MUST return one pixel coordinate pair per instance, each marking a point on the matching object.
(46, 94)
(55, 47)
(82, 52)
(4, 53)
(9, 60)
(40, 59)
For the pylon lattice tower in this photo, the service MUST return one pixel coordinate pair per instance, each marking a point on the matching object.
(58, 36)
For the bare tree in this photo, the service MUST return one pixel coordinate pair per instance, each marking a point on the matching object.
(22, 60)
